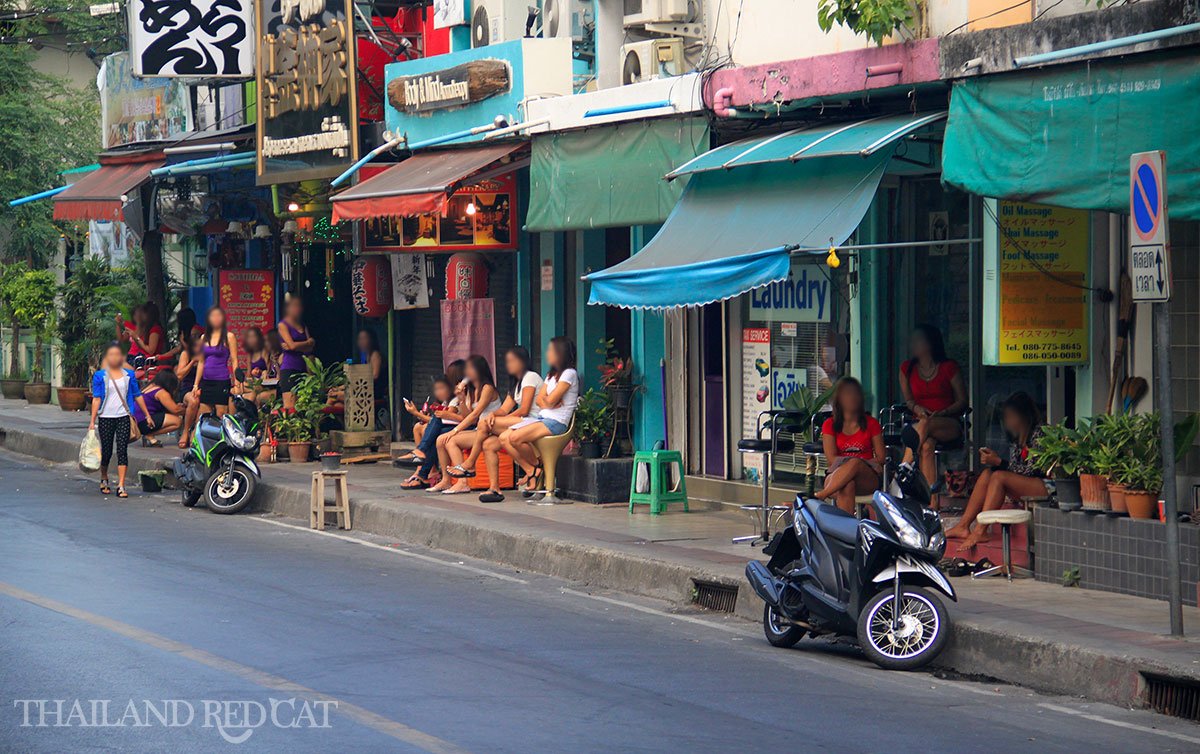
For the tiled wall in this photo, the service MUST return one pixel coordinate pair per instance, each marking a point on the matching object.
(1112, 554)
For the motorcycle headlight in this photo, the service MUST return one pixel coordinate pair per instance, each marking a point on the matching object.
(234, 434)
(907, 533)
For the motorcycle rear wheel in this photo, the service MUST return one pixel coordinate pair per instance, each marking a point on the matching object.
(924, 629)
(234, 498)
(780, 633)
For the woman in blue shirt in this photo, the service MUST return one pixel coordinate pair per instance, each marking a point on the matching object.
(114, 388)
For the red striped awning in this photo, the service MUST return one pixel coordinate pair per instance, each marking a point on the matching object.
(97, 195)
(420, 185)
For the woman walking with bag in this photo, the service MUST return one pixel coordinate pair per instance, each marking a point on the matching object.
(113, 388)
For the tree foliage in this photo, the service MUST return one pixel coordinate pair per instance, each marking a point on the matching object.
(876, 19)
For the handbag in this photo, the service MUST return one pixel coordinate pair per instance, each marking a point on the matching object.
(134, 432)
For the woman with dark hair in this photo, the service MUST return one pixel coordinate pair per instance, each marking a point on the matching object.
(217, 367)
(518, 404)
(162, 414)
(482, 400)
(297, 343)
(555, 402)
(1000, 480)
(369, 353)
(425, 455)
(934, 392)
(143, 333)
(255, 346)
(854, 447)
(115, 391)
(186, 331)
(185, 370)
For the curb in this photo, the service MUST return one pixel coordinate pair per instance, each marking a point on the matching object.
(975, 649)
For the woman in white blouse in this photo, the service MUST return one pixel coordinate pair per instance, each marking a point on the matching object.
(556, 401)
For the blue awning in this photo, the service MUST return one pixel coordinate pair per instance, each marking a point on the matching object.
(750, 204)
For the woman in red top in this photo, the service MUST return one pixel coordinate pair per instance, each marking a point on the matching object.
(934, 391)
(144, 334)
(854, 447)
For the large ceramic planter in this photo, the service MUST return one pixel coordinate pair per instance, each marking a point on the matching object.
(37, 393)
(1067, 493)
(1116, 497)
(298, 451)
(1093, 491)
(14, 390)
(1141, 504)
(73, 398)
(266, 453)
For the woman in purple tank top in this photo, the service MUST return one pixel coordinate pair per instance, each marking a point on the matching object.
(161, 407)
(217, 366)
(297, 343)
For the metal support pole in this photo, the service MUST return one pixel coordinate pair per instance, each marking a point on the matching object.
(1162, 391)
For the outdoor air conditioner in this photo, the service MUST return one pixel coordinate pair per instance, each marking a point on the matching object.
(565, 18)
(652, 59)
(642, 12)
(494, 21)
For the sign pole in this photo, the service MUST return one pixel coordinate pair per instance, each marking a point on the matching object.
(1162, 369)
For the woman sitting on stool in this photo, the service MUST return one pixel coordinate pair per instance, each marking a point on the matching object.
(1015, 478)
(854, 447)
(934, 391)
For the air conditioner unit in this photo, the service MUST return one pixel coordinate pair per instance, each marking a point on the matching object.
(642, 12)
(652, 59)
(565, 18)
(494, 21)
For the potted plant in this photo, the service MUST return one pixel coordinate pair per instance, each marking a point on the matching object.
(593, 419)
(616, 374)
(1140, 469)
(152, 480)
(269, 410)
(1062, 453)
(30, 298)
(331, 461)
(83, 330)
(312, 391)
(1116, 437)
(802, 406)
(13, 384)
(295, 430)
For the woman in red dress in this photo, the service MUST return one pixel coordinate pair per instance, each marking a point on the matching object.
(854, 447)
(934, 392)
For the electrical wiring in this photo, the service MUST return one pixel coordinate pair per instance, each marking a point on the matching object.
(967, 23)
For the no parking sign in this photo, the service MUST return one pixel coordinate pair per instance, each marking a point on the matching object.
(1149, 242)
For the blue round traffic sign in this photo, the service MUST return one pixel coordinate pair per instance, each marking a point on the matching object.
(1146, 203)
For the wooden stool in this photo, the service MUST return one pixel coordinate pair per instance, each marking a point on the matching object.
(341, 500)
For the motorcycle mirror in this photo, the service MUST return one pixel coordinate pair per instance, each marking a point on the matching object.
(909, 437)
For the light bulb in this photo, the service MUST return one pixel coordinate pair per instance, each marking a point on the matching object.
(471, 208)
(832, 260)
(293, 207)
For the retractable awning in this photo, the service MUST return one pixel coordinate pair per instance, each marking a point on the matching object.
(749, 205)
(421, 184)
(103, 193)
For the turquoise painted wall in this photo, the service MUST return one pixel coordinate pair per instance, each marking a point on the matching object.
(648, 351)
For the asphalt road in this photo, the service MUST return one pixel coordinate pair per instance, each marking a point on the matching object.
(294, 641)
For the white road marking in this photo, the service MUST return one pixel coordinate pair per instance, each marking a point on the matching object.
(396, 550)
(1120, 723)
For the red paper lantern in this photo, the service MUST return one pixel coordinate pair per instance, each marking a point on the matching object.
(371, 286)
(466, 276)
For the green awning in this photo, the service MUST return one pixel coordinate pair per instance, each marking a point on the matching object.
(858, 139)
(1063, 135)
(610, 176)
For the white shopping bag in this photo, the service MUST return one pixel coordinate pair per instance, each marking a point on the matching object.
(89, 451)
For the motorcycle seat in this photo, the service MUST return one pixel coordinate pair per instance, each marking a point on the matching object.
(833, 521)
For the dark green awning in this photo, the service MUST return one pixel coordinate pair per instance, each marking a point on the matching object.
(1063, 135)
(611, 175)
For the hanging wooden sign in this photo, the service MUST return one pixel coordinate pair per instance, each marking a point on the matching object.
(453, 87)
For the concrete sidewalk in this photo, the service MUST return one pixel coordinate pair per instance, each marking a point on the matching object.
(1068, 641)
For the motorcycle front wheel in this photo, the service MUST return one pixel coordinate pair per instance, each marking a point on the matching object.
(779, 632)
(920, 636)
(232, 494)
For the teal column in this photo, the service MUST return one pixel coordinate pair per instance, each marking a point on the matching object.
(648, 339)
(527, 253)
(550, 249)
(869, 324)
(589, 320)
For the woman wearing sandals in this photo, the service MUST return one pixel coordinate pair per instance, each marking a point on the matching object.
(483, 400)
(113, 388)
(556, 401)
(214, 381)
(164, 414)
(443, 420)
(517, 406)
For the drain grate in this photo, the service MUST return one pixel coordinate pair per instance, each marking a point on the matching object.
(1171, 696)
(715, 596)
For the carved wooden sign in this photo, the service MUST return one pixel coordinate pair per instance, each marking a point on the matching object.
(454, 87)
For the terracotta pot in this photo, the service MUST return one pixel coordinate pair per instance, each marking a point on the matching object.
(1141, 504)
(1116, 497)
(13, 389)
(1093, 489)
(298, 451)
(37, 393)
(266, 453)
(73, 398)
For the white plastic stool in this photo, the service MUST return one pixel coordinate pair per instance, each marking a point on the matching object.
(1007, 519)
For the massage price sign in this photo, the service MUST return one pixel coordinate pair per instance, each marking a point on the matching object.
(248, 298)
(1036, 278)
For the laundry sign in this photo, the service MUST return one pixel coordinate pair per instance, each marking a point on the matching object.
(803, 297)
(452, 87)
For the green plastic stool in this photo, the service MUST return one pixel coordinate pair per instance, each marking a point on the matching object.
(661, 492)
